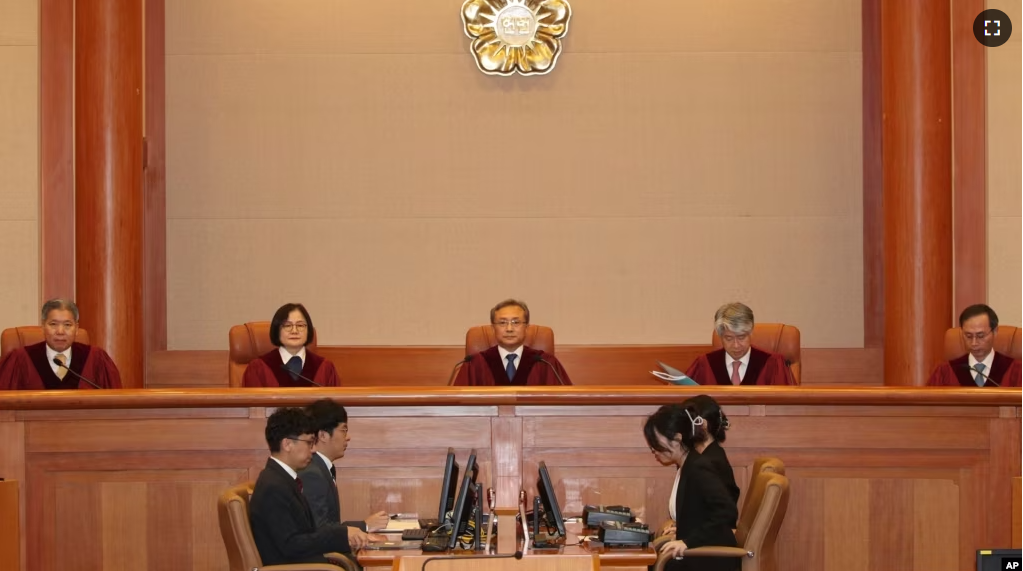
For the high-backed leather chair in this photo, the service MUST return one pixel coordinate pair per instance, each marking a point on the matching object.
(777, 338)
(248, 342)
(18, 337)
(235, 529)
(761, 465)
(481, 338)
(1008, 341)
(757, 529)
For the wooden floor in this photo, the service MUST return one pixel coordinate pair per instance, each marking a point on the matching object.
(882, 479)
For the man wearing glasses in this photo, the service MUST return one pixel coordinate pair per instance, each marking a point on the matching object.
(981, 366)
(282, 522)
(291, 364)
(511, 362)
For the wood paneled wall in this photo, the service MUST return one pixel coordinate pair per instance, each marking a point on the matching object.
(881, 478)
(586, 364)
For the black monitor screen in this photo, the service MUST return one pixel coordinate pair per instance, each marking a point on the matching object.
(464, 501)
(448, 486)
(550, 501)
(999, 559)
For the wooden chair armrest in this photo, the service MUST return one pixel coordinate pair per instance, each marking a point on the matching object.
(343, 561)
(715, 551)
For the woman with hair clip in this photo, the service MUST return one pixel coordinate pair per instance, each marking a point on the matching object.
(290, 364)
(702, 507)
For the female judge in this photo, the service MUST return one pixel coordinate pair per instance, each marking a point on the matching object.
(700, 504)
(290, 364)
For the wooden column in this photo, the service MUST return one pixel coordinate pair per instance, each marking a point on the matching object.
(917, 136)
(108, 178)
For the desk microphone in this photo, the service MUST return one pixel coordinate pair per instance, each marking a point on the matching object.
(516, 555)
(981, 373)
(295, 375)
(57, 362)
(457, 366)
(539, 357)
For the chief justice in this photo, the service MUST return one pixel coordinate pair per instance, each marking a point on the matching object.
(511, 362)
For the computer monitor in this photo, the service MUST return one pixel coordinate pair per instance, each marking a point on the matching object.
(999, 559)
(465, 500)
(552, 514)
(448, 486)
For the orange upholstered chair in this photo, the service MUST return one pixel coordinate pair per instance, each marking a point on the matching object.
(777, 338)
(481, 338)
(18, 337)
(247, 343)
(1007, 342)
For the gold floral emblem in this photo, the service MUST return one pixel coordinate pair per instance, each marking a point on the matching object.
(510, 36)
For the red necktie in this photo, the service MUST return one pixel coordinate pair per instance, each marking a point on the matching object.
(735, 372)
(298, 482)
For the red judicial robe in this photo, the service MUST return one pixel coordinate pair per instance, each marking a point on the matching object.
(28, 369)
(486, 369)
(956, 373)
(764, 368)
(269, 371)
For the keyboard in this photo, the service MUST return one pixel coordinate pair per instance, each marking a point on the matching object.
(414, 534)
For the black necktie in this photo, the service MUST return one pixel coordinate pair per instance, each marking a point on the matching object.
(294, 367)
(333, 473)
(298, 482)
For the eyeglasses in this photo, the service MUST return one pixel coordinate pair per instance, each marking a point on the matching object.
(310, 441)
(977, 336)
(288, 326)
(514, 323)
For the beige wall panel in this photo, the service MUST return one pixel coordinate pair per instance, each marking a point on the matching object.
(434, 26)
(769, 135)
(1005, 182)
(19, 134)
(408, 192)
(19, 280)
(19, 23)
(424, 281)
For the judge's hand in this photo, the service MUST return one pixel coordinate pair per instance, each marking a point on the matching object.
(358, 539)
(377, 521)
(674, 548)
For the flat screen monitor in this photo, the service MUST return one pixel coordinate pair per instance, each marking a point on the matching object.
(999, 559)
(448, 486)
(552, 514)
(464, 501)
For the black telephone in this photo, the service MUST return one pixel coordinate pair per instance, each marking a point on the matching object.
(593, 516)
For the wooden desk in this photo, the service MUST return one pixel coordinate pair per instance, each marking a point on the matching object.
(881, 478)
(10, 526)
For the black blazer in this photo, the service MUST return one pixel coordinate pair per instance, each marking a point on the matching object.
(723, 468)
(704, 513)
(320, 490)
(283, 525)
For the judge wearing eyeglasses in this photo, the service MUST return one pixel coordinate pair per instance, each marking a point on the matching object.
(981, 366)
(511, 362)
(291, 364)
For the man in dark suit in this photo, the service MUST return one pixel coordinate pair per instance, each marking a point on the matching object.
(282, 522)
(319, 478)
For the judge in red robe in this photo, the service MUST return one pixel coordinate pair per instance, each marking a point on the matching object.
(738, 363)
(33, 368)
(510, 362)
(982, 366)
(291, 364)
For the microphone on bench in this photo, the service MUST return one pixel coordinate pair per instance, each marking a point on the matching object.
(457, 366)
(981, 373)
(57, 362)
(557, 375)
(295, 375)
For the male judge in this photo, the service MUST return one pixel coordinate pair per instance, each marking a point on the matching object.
(982, 366)
(738, 363)
(58, 362)
(319, 478)
(511, 362)
(282, 522)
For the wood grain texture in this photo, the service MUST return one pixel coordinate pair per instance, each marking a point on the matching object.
(873, 178)
(431, 366)
(1017, 512)
(884, 476)
(154, 201)
(969, 157)
(108, 179)
(10, 522)
(56, 149)
(916, 104)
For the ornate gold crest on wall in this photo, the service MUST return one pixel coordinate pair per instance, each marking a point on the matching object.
(510, 36)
